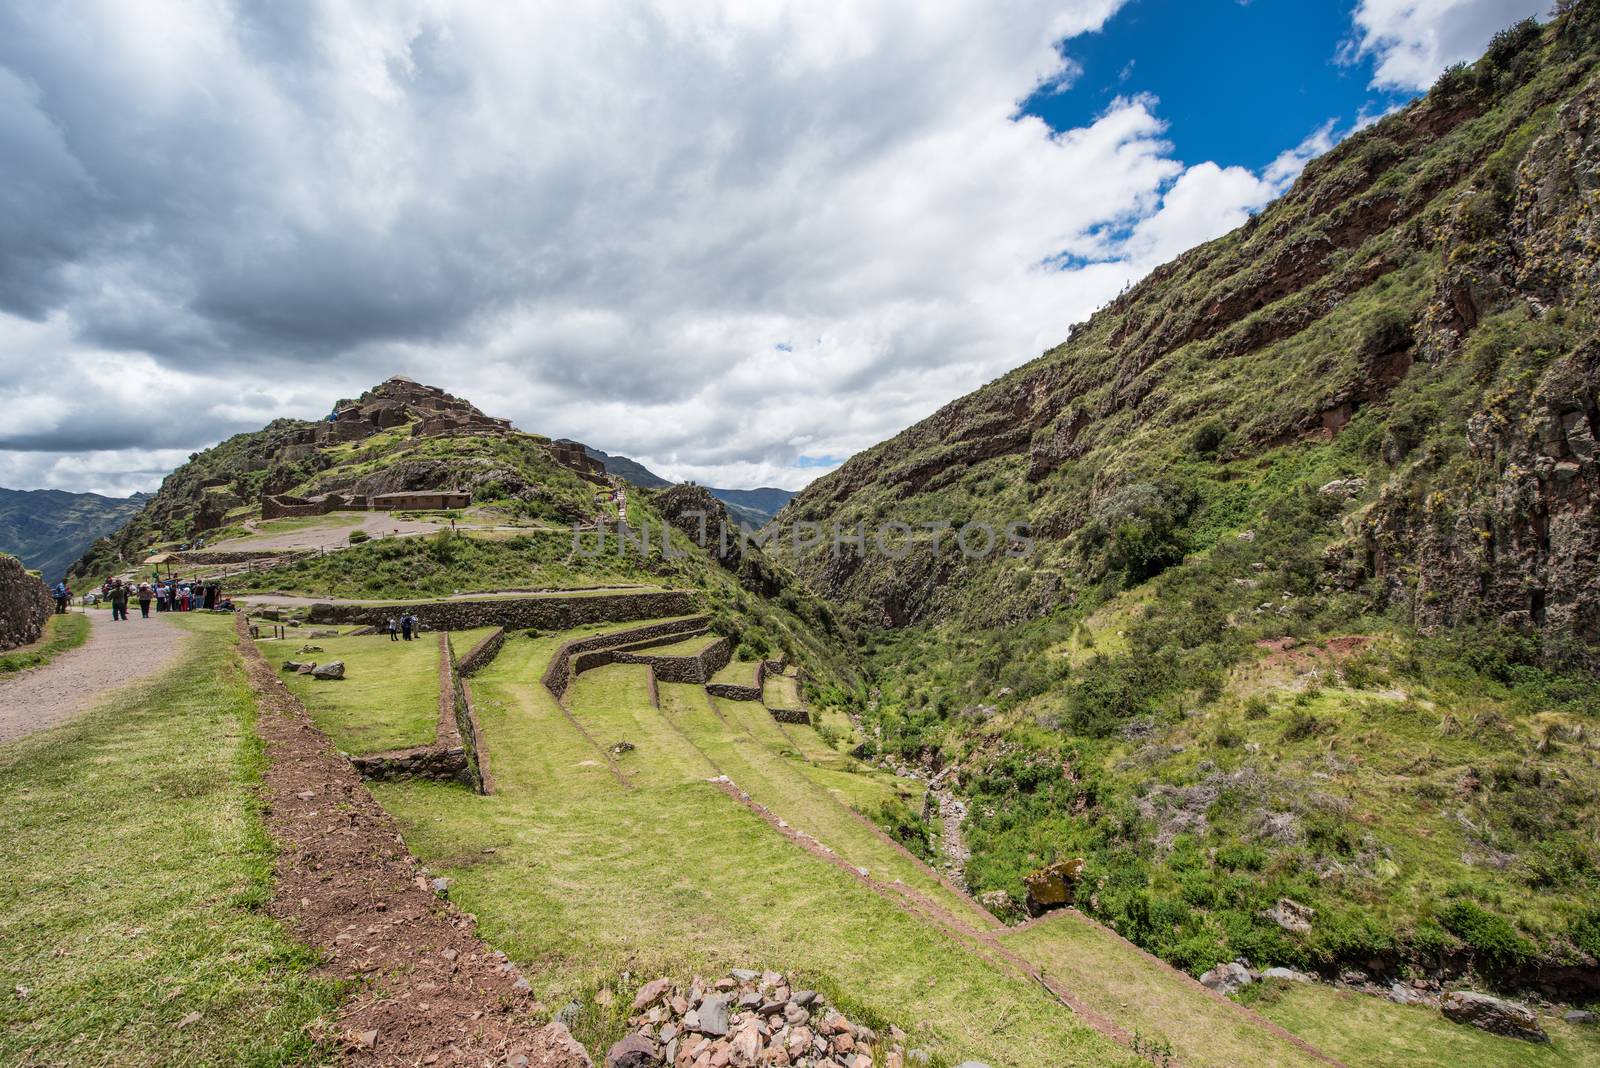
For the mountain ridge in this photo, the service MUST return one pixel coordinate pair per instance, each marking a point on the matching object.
(754, 507)
(48, 530)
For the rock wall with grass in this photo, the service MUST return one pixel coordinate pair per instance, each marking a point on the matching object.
(25, 604)
(516, 613)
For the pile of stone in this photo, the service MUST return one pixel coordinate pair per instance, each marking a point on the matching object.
(748, 1019)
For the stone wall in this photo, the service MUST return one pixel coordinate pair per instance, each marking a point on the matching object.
(734, 691)
(695, 669)
(563, 664)
(479, 656)
(556, 612)
(25, 604)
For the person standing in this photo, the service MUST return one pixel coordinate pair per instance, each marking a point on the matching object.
(405, 626)
(394, 629)
(62, 596)
(144, 600)
(119, 601)
(183, 599)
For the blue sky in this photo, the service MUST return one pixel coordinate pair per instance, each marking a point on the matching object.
(1237, 83)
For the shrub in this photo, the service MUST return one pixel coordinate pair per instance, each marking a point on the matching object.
(1207, 438)
(1490, 936)
(1452, 86)
(358, 536)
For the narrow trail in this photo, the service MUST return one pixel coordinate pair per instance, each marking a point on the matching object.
(115, 655)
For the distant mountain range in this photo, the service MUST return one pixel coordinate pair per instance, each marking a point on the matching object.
(50, 529)
(756, 507)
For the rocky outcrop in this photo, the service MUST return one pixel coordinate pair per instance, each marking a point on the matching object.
(1052, 886)
(1494, 1015)
(1227, 979)
(25, 604)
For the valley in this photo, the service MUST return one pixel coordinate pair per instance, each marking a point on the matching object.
(1263, 729)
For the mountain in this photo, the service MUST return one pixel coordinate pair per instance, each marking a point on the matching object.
(397, 438)
(1278, 604)
(1415, 315)
(49, 529)
(763, 503)
(630, 471)
(753, 507)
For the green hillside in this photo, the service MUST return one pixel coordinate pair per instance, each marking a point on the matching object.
(1312, 604)
(48, 530)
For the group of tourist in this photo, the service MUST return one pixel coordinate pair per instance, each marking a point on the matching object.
(406, 626)
(63, 596)
(170, 595)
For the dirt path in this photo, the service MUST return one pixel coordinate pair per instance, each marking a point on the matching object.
(430, 992)
(115, 655)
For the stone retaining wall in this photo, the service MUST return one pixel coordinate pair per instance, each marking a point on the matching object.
(479, 656)
(558, 676)
(694, 669)
(237, 556)
(515, 613)
(456, 753)
(790, 715)
(25, 604)
(735, 691)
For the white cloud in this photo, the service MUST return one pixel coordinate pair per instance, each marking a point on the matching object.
(726, 238)
(1413, 41)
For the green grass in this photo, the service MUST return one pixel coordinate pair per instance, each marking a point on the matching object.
(1368, 1032)
(389, 696)
(1146, 997)
(687, 647)
(135, 867)
(781, 691)
(737, 673)
(587, 878)
(62, 632)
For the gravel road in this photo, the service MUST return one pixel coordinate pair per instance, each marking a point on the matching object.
(115, 655)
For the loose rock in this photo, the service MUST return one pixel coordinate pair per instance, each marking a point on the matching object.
(1494, 1015)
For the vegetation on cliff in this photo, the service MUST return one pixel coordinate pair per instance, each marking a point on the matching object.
(1313, 606)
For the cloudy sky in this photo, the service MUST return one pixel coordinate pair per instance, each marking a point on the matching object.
(735, 239)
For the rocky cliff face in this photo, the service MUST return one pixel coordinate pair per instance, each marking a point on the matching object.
(24, 604)
(1418, 307)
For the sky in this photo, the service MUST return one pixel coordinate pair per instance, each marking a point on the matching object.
(736, 240)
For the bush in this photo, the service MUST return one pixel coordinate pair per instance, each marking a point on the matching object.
(358, 536)
(1452, 86)
(1490, 936)
(1207, 438)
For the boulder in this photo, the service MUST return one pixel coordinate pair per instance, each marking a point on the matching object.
(1579, 1016)
(1052, 887)
(333, 669)
(1227, 979)
(1291, 915)
(1288, 975)
(634, 1051)
(1494, 1015)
